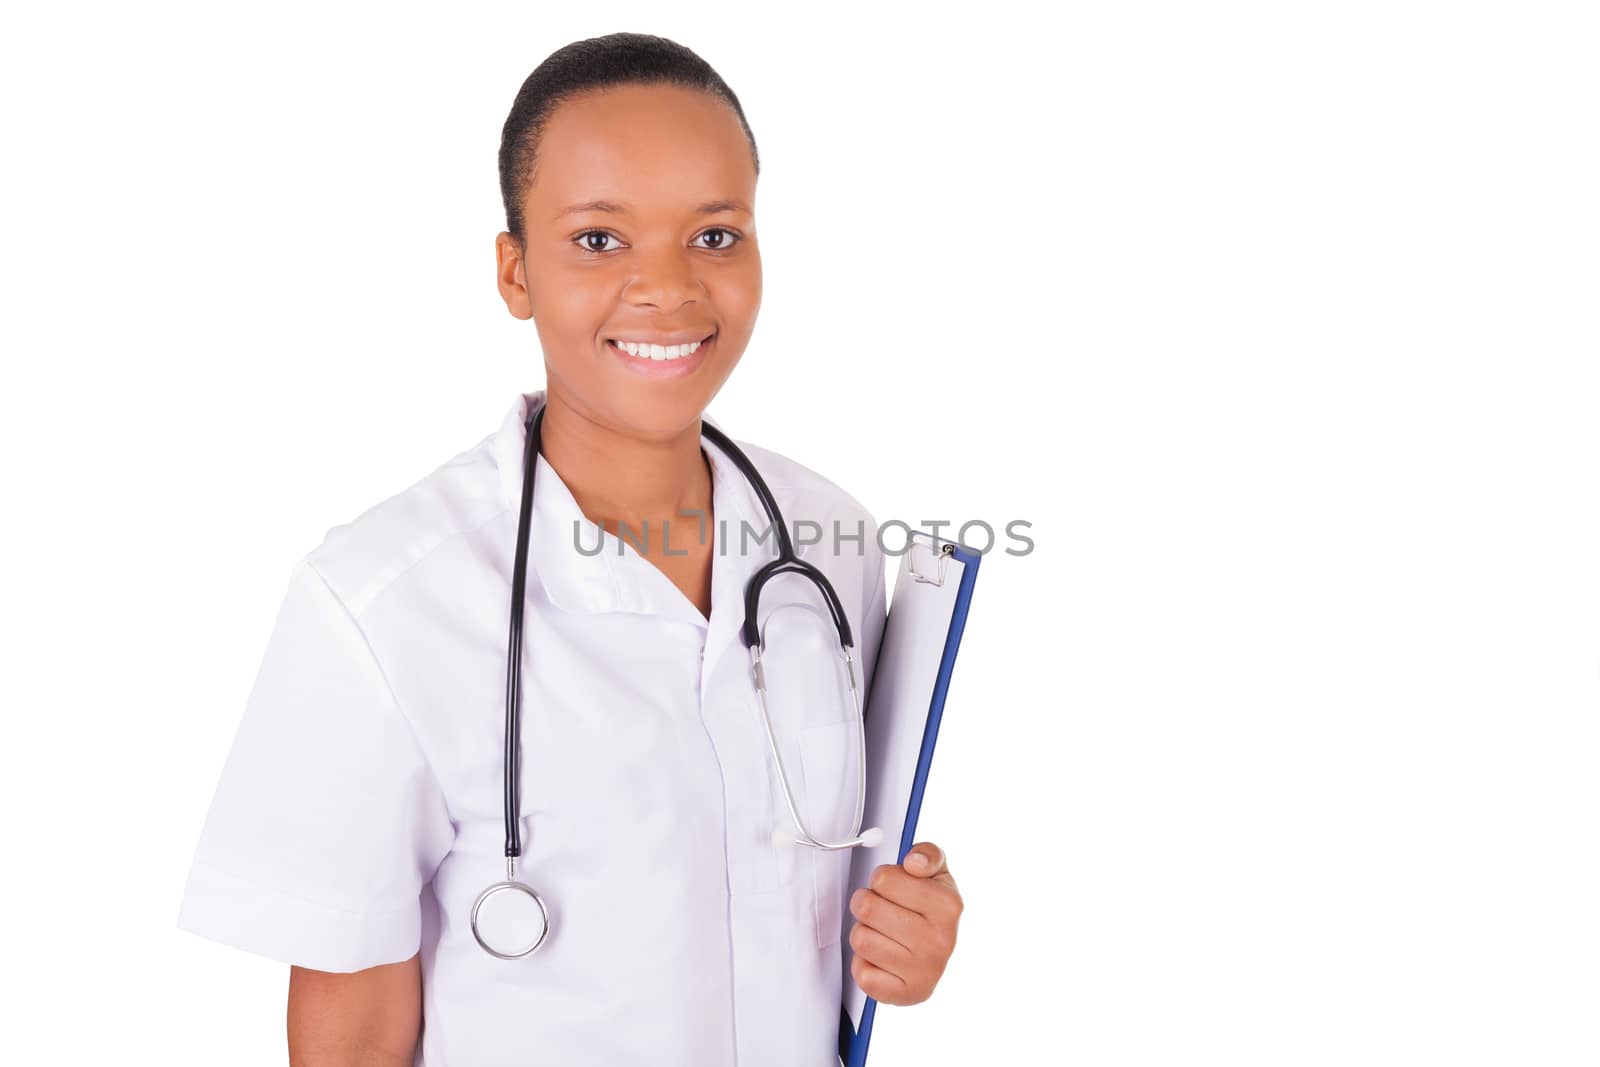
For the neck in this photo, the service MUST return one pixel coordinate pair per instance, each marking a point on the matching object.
(619, 478)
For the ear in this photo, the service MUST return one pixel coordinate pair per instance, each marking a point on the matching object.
(511, 276)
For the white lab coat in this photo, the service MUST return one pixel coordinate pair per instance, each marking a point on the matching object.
(359, 812)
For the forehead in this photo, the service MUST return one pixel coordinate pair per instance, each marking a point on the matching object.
(645, 146)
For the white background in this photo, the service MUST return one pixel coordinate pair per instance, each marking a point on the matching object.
(1278, 322)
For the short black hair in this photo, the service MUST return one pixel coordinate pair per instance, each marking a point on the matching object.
(595, 63)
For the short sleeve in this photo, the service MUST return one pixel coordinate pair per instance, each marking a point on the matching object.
(327, 821)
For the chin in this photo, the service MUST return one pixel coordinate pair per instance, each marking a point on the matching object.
(656, 413)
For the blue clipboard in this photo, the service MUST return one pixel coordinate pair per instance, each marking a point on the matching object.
(926, 564)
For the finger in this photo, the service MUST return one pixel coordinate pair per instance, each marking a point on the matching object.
(925, 896)
(876, 982)
(888, 918)
(879, 949)
(925, 860)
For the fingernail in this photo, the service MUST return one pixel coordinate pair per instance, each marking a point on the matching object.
(917, 862)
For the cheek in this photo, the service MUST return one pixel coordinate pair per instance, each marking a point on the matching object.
(749, 283)
(569, 315)
(737, 298)
(573, 308)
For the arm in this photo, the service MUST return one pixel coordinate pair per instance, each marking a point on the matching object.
(367, 1018)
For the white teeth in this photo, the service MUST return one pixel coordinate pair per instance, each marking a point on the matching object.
(648, 351)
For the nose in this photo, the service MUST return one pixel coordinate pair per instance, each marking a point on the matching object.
(665, 279)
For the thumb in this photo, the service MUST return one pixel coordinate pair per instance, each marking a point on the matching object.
(925, 859)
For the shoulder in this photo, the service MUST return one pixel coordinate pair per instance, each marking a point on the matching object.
(366, 555)
(811, 491)
(845, 527)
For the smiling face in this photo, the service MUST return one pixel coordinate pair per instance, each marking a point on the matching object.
(640, 229)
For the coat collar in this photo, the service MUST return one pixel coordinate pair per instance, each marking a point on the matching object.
(608, 581)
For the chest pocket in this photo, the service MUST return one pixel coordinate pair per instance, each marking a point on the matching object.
(827, 756)
(807, 685)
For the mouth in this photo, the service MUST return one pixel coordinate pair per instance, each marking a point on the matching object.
(658, 361)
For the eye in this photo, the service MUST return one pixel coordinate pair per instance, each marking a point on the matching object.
(582, 240)
(722, 245)
(593, 241)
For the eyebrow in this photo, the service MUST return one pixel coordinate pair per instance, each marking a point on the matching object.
(710, 207)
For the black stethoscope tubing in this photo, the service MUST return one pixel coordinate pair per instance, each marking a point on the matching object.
(786, 563)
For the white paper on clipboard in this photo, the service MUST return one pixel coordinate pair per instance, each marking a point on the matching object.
(911, 651)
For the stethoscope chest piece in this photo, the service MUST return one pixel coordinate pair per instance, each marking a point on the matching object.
(508, 916)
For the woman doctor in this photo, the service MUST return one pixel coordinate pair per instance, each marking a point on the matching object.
(361, 813)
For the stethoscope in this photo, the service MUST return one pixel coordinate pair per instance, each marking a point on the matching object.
(528, 914)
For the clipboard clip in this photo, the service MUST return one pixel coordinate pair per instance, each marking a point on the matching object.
(944, 553)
